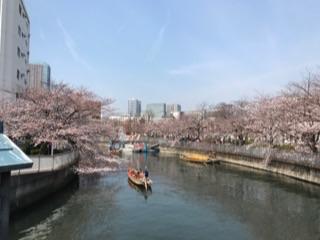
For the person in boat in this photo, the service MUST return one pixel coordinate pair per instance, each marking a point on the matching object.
(141, 173)
(136, 173)
(146, 172)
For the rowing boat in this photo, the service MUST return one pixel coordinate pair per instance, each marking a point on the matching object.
(138, 178)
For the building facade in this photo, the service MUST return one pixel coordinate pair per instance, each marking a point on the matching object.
(39, 76)
(156, 111)
(173, 108)
(14, 48)
(134, 108)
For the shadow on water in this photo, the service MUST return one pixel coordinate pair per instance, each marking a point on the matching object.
(271, 206)
(141, 190)
(37, 213)
(71, 213)
(188, 202)
(288, 184)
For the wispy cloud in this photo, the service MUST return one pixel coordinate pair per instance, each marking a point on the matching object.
(157, 44)
(72, 47)
(195, 68)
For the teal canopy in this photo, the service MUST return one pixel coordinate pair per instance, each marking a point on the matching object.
(11, 156)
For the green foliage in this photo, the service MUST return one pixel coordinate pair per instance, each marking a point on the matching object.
(248, 141)
(35, 151)
(285, 147)
(28, 148)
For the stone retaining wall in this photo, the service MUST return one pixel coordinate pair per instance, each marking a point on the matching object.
(304, 167)
(48, 175)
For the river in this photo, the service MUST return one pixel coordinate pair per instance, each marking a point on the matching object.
(187, 202)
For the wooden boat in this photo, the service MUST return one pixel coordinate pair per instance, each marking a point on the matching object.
(196, 158)
(138, 178)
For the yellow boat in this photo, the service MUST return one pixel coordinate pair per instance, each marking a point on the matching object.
(196, 157)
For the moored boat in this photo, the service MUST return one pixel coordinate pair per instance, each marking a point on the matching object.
(138, 178)
(128, 148)
(145, 148)
(140, 148)
(196, 158)
(154, 148)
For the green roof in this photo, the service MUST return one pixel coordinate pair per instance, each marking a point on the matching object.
(11, 157)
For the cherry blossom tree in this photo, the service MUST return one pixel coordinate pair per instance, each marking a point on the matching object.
(62, 116)
(231, 120)
(292, 117)
(303, 107)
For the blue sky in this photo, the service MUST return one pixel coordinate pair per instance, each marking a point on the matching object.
(176, 51)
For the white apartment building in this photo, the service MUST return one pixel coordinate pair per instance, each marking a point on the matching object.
(39, 76)
(14, 48)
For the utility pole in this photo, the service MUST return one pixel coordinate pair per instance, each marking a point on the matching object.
(1, 127)
(4, 204)
(4, 199)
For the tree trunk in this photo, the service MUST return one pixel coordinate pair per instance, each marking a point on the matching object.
(312, 140)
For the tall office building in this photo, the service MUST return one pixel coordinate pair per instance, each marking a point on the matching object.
(172, 108)
(39, 76)
(156, 110)
(134, 107)
(14, 48)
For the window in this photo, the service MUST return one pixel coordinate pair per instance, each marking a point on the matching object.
(18, 52)
(19, 31)
(18, 74)
(20, 9)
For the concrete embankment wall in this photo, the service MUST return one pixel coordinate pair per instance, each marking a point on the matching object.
(46, 177)
(304, 167)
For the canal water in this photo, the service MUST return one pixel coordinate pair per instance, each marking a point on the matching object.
(187, 202)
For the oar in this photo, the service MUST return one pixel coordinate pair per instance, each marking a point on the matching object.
(145, 183)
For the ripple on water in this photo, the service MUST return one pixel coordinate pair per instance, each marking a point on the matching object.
(187, 202)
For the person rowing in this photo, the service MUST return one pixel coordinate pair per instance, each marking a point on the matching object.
(146, 176)
(146, 172)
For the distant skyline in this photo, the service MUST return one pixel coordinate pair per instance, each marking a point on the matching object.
(182, 51)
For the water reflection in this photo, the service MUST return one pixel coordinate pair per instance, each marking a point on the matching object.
(188, 202)
(272, 207)
(141, 190)
(36, 222)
